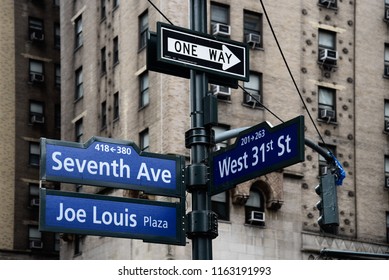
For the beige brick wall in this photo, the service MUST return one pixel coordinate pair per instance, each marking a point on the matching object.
(7, 123)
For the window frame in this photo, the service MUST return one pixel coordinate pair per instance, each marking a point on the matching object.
(34, 154)
(322, 161)
(115, 50)
(103, 57)
(78, 33)
(144, 140)
(57, 36)
(33, 63)
(220, 204)
(248, 30)
(79, 130)
(143, 28)
(330, 5)
(36, 25)
(253, 91)
(324, 36)
(323, 106)
(116, 105)
(144, 89)
(79, 84)
(103, 114)
(57, 75)
(32, 113)
(255, 191)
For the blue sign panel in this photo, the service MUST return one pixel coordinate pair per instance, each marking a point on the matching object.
(111, 163)
(258, 150)
(151, 221)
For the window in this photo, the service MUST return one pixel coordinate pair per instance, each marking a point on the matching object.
(34, 195)
(327, 106)
(103, 61)
(255, 208)
(36, 71)
(103, 114)
(115, 50)
(387, 227)
(144, 90)
(327, 47)
(57, 36)
(143, 29)
(103, 10)
(79, 130)
(35, 237)
(79, 84)
(57, 77)
(78, 32)
(323, 166)
(115, 3)
(56, 3)
(328, 3)
(386, 171)
(218, 130)
(35, 29)
(253, 29)
(252, 95)
(57, 116)
(116, 106)
(34, 154)
(386, 15)
(220, 205)
(36, 112)
(386, 61)
(220, 20)
(144, 140)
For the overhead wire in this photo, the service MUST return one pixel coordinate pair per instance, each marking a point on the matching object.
(291, 74)
(286, 64)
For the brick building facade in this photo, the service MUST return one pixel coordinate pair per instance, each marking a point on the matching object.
(340, 69)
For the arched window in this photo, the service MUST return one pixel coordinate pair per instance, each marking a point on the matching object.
(255, 208)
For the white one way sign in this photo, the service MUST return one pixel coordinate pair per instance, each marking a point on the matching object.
(223, 56)
(202, 51)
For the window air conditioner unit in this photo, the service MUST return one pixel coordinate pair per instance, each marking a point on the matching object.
(253, 39)
(257, 216)
(36, 244)
(253, 99)
(34, 201)
(221, 29)
(35, 77)
(38, 119)
(327, 54)
(221, 90)
(327, 114)
(37, 36)
(387, 182)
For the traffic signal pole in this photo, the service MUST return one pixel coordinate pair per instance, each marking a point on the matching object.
(202, 222)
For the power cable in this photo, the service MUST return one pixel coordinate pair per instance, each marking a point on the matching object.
(165, 17)
(290, 73)
(256, 100)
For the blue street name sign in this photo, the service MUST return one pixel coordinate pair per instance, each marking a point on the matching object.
(195, 50)
(258, 150)
(79, 213)
(111, 163)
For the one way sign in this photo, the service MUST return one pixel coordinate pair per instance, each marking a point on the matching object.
(203, 52)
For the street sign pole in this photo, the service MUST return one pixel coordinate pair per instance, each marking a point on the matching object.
(198, 139)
